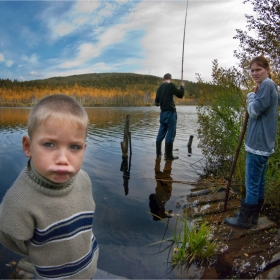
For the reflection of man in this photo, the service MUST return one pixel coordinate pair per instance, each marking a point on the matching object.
(168, 115)
(163, 190)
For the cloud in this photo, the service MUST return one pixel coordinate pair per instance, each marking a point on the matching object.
(64, 28)
(86, 7)
(71, 19)
(107, 10)
(21, 79)
(33, 59)
(8, 62)
(34, 74)
(113, 35)
(30, 37)
(80, 20)
(88, 51)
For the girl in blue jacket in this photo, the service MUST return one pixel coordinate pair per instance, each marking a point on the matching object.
(262, 106)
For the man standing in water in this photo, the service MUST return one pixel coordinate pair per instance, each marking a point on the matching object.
(168, 115)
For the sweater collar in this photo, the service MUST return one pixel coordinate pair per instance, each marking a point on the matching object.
(44, 182)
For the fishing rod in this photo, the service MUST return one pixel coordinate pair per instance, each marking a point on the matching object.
(184, 41)
(243, 131)
(236, 157)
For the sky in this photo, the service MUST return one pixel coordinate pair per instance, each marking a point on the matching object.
(43, 39)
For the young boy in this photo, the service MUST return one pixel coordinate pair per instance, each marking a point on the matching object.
(47, 214)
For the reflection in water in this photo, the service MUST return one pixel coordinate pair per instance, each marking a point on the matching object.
(12, 119)
(163, 190)
(189, 151)
(190, 145)
(125, 168)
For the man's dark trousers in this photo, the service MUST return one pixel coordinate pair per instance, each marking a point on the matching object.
(168, 123)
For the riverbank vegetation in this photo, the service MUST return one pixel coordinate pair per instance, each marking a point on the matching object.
(191, 244)
(106, 89)
(221, 112)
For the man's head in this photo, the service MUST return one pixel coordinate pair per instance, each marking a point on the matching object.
(167, 77)
(57, 129)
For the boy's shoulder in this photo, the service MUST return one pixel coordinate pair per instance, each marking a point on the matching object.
(18, 198)
(83, 175)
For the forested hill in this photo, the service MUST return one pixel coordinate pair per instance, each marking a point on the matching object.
(105, 80)
(102, 89)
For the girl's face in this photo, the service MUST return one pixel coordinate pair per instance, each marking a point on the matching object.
(259, 73)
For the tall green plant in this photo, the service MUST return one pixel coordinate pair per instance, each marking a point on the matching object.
(191, 244)
(221, 113)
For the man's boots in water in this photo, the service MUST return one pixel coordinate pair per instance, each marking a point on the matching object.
(169, 152)
(158, 148)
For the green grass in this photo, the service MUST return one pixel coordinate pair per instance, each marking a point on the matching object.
(191, 244)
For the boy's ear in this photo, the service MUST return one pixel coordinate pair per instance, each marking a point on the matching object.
(26, 146)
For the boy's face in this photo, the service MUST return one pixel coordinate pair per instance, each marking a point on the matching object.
(57, 149)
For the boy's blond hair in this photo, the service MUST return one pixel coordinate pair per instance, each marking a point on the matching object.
(57, 106)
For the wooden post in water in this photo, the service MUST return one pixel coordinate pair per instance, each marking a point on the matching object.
(125, 166)
(126, 138)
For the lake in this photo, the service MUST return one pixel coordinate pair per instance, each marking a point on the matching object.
(123, 222)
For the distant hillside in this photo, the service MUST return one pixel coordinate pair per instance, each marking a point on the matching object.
(109, 80)
(110, 89)
(112, 80)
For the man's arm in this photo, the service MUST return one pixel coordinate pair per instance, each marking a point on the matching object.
(179, 92)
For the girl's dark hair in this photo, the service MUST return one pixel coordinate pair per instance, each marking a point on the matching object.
(262, 62)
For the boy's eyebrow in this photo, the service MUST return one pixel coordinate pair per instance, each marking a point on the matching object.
(54, 138)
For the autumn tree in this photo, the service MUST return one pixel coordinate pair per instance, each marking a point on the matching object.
(262, 36)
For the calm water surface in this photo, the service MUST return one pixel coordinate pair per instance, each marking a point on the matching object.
(123, 222)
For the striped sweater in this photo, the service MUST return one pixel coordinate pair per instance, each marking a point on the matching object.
(51, 224)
